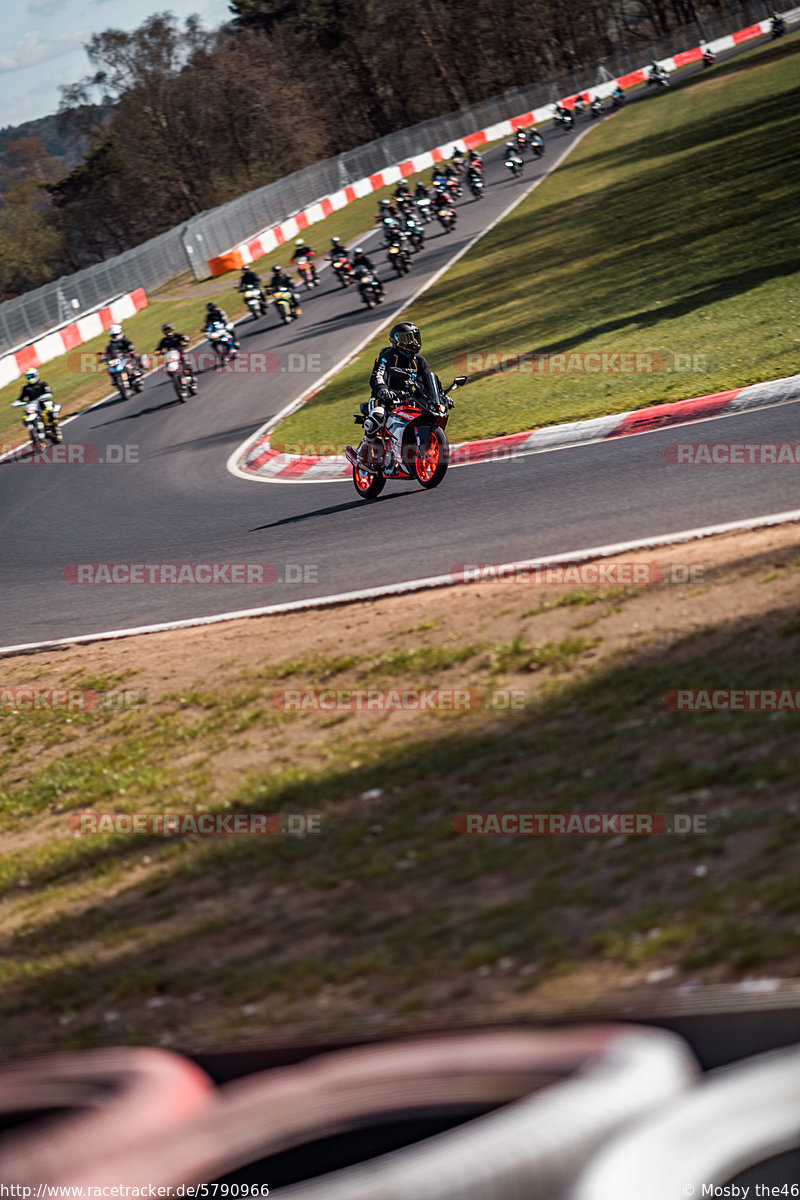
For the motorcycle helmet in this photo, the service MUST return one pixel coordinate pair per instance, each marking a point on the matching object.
(166, 328)
(276, 269)
(406, 336)
(32, 375)
(246, 265)
(359, 250)
(335, 241)
(115, 330)
(210, 306)
(299, 242)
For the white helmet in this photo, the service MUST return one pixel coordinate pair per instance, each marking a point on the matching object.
(115, 330)
(246, 265)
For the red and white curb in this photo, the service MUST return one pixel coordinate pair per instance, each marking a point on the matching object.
(264, 462)
(67, 337)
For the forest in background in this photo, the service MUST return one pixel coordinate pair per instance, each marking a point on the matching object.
(176, 119)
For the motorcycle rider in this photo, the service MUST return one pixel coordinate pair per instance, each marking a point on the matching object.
(388, 377)
(421, 192)
(249, 278)
(215, 316)
(618, 96)
(34, 389)
(279, 281)
(120, 346)
(301, 250)
(474, 160)
(362, 262)
(172, 340)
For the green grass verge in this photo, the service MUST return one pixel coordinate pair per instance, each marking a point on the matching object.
(668, 233)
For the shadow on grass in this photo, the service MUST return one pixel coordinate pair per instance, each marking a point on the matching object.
(393, 908)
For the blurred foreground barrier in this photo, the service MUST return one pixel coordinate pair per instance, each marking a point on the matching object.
(557, 1097)
(742, 1116)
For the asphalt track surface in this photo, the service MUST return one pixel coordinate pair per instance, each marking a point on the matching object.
(177, 503)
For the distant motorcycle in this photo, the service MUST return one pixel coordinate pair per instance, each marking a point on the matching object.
(412, 444)
(596, 108)
(566, 120)
(399, 257)
(181, 374)
(371, 289)
(475, 184)
(446, 216)
(284, 301)
(425, 208)
(256, 301)
(343, 270)
(125, 372)
(709, 58)
(658, 77)
(618, 98)
(536, 144)
(221, 340)
(413, 231)
(777, 27)
(514, 163)
(307, 271)
(41, 420)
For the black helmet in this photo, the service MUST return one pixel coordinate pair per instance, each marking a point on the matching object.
(210, 306)
(166, 328)
(406, 336)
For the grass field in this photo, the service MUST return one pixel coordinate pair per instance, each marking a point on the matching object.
(668, 234)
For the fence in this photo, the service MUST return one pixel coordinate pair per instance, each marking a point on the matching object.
(152, 263)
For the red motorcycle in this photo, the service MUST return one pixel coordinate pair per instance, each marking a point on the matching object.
(343, 269)
(411, 445)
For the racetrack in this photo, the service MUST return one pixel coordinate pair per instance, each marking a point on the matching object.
(177, 503)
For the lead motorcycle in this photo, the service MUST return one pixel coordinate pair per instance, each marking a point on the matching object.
(412, 443)
(41, 423)
(125, 372)
(256, 301)
(220, 339)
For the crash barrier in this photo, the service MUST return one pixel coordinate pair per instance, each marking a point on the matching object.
(557, 1096)
(222, 229)
(68, 336)
(741, 1117)
(267, 240)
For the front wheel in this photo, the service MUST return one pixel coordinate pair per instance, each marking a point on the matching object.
(430, 464)
(368, 485)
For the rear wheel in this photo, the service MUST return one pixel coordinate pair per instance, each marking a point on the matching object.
(368, 485)
(430, 465)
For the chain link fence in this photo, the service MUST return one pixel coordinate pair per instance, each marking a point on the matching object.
(152, 263)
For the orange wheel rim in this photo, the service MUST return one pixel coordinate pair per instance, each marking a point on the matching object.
(362, 479)
(430, 460)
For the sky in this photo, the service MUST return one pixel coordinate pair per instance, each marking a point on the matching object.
(41, 44)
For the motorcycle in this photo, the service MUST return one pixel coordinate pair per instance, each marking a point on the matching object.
(221, 340)
(307, 271)
(371, 290)
(618, 98)
(446, 216)
(398, 255)
(709, 58)
(284, 301)
(514, 163)
(475, 184)
(659, 77)
(411, 445)
(343, 270)
(521, 139)
(256, 301)
(425, 208)
(181, 374)
(536, 144)
(41, 420)
(453, 185)
(566, 120)
(414, 233)
(777, 27)
(125, 373)
(596, 108)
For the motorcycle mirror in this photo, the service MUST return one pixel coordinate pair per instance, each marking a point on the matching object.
(459, 380)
